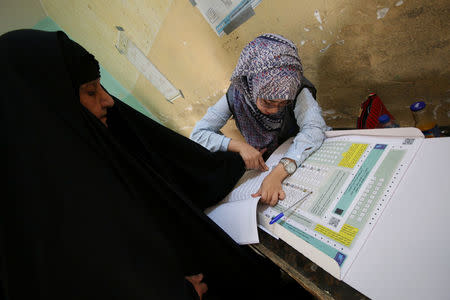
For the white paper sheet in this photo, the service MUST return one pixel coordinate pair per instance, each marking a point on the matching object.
(237, 219)
(406, 256)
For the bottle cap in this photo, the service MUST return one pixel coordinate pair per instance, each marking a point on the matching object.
(416, 106)
(384, 118)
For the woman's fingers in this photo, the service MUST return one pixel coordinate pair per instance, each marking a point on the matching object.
(197, 278)
(264, 196)
(251, 162)
(273, 199)
(262, 193)
(262, 164)
(255, 162)
(257, 194)
(253, 158)
(270, 197)
(200, 287)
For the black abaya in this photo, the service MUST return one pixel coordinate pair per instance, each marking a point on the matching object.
(90, 212)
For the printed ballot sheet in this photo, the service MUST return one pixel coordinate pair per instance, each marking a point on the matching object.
(352, 178)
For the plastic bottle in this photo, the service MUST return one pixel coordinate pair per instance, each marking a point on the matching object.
(385, 122)
(423, 120)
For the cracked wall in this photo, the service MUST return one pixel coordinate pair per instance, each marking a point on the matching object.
(398, 49)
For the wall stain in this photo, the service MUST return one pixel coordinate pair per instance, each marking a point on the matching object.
(415, 12)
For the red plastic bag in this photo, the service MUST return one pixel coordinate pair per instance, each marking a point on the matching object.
(371, 109)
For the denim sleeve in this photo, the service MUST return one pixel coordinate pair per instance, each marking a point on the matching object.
(312, 128)
(207, 131)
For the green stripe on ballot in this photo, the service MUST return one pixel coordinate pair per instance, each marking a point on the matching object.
(360, 177)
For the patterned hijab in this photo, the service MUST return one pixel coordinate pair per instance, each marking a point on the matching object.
(269, 68)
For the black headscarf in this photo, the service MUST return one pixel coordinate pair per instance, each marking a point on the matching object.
(80, 64)
(90, 212)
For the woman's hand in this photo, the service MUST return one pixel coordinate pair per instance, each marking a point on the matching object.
(199, 286)
(252, 157)
(271, 189)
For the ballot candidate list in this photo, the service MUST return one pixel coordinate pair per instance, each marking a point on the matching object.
(351, 181)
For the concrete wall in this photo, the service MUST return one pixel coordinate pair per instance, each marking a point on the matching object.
(93, 25)
(19, 14)
(398, 49)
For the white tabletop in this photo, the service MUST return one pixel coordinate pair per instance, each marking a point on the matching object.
(407, 256)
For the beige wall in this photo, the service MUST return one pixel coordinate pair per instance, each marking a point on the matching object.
(403, 55)
(19, 14)
(92, 23)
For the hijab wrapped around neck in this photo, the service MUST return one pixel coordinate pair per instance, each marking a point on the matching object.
(268, 68)
(92, 212)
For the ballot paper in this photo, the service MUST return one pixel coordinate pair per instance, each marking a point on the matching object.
(352, 177)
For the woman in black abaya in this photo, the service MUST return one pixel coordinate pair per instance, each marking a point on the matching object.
(106, 206)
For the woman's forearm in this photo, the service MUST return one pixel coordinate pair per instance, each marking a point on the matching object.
(235, 146)
(278, 173)
(207, 131)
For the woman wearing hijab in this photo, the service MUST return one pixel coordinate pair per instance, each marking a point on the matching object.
(101, 202)
(270, 100)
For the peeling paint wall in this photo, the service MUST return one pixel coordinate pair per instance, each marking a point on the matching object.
(398, 49)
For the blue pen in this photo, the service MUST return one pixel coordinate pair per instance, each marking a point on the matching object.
(281, 214)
